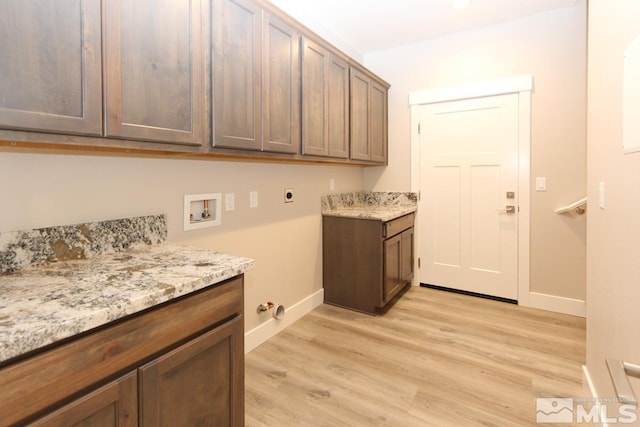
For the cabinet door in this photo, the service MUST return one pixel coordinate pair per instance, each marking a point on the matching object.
(378, 122)
(281, 86)
(325, 103)
(360, 113)
(237, 81)
(392, 267)
(115, 404)
(406, 253)
(50, 62)
(154, 70)
(338, 103)
(198, 384)
(315, 93)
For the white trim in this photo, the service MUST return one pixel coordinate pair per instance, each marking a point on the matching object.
(415, 187)
(473, 90)
(558, 304)
(524, 199)
(271, 327)
(522, 85)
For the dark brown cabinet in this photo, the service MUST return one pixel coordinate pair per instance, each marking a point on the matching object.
(325, 102)
(379, 122)
(281, 86)
(398, 263)
(256, 79)
(237, 75)
(154, 70)
(115, 404)
(368, 117)
(164, 77)
(50, 57)
(183, 364)
(151, 67)
(197, 384)
(366, 262)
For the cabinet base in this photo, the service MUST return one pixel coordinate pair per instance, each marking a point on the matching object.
(374, 310)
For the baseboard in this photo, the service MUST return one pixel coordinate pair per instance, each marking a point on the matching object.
(271, 327)
(557, 304)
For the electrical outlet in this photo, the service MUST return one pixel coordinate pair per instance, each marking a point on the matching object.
(288, 195)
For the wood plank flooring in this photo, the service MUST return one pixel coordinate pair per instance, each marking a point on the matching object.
(434, 359)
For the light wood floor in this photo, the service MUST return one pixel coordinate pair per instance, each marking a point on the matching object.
(434, 359)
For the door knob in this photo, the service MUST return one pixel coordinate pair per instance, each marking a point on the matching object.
(509, 209)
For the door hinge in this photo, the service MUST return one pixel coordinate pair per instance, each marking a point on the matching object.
(418, 262)
(418, 128)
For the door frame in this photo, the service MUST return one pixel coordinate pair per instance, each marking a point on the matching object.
(521, 85)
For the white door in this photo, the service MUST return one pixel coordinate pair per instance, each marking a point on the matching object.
(468, 180)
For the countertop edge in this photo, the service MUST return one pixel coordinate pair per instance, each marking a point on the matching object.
(373, 214)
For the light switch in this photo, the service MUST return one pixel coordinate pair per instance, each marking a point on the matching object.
(229, 201)
(541, 183)
(253, 199)
(601, 195)
(332, 184)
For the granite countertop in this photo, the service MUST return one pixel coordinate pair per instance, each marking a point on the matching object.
(378, 206)
(60, 281)
(378, 213)
(44, 304)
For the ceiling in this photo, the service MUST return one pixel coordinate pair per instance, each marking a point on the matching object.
(374, 25)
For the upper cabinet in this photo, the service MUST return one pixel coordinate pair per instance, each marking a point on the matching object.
(168, 75)
(53, 64)
(237, 81)
(281, 86)
(154, 70)
(50, 78)
(325, 102)
(256, 79)
(368, 117)
(379, 121)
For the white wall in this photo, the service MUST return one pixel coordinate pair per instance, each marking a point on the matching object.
(550, 46)
(299, 11)
(613, 255)
(41, 190)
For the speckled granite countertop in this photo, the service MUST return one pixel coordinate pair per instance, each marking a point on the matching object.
(369, 205)
(44, 304)
(61, 281)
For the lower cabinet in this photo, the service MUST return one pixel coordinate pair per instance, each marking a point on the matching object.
(179, 364)
(366, 262)
(115, 404)
(398, 263)
(197, 384)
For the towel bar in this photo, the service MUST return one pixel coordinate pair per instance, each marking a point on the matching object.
(577, 205)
